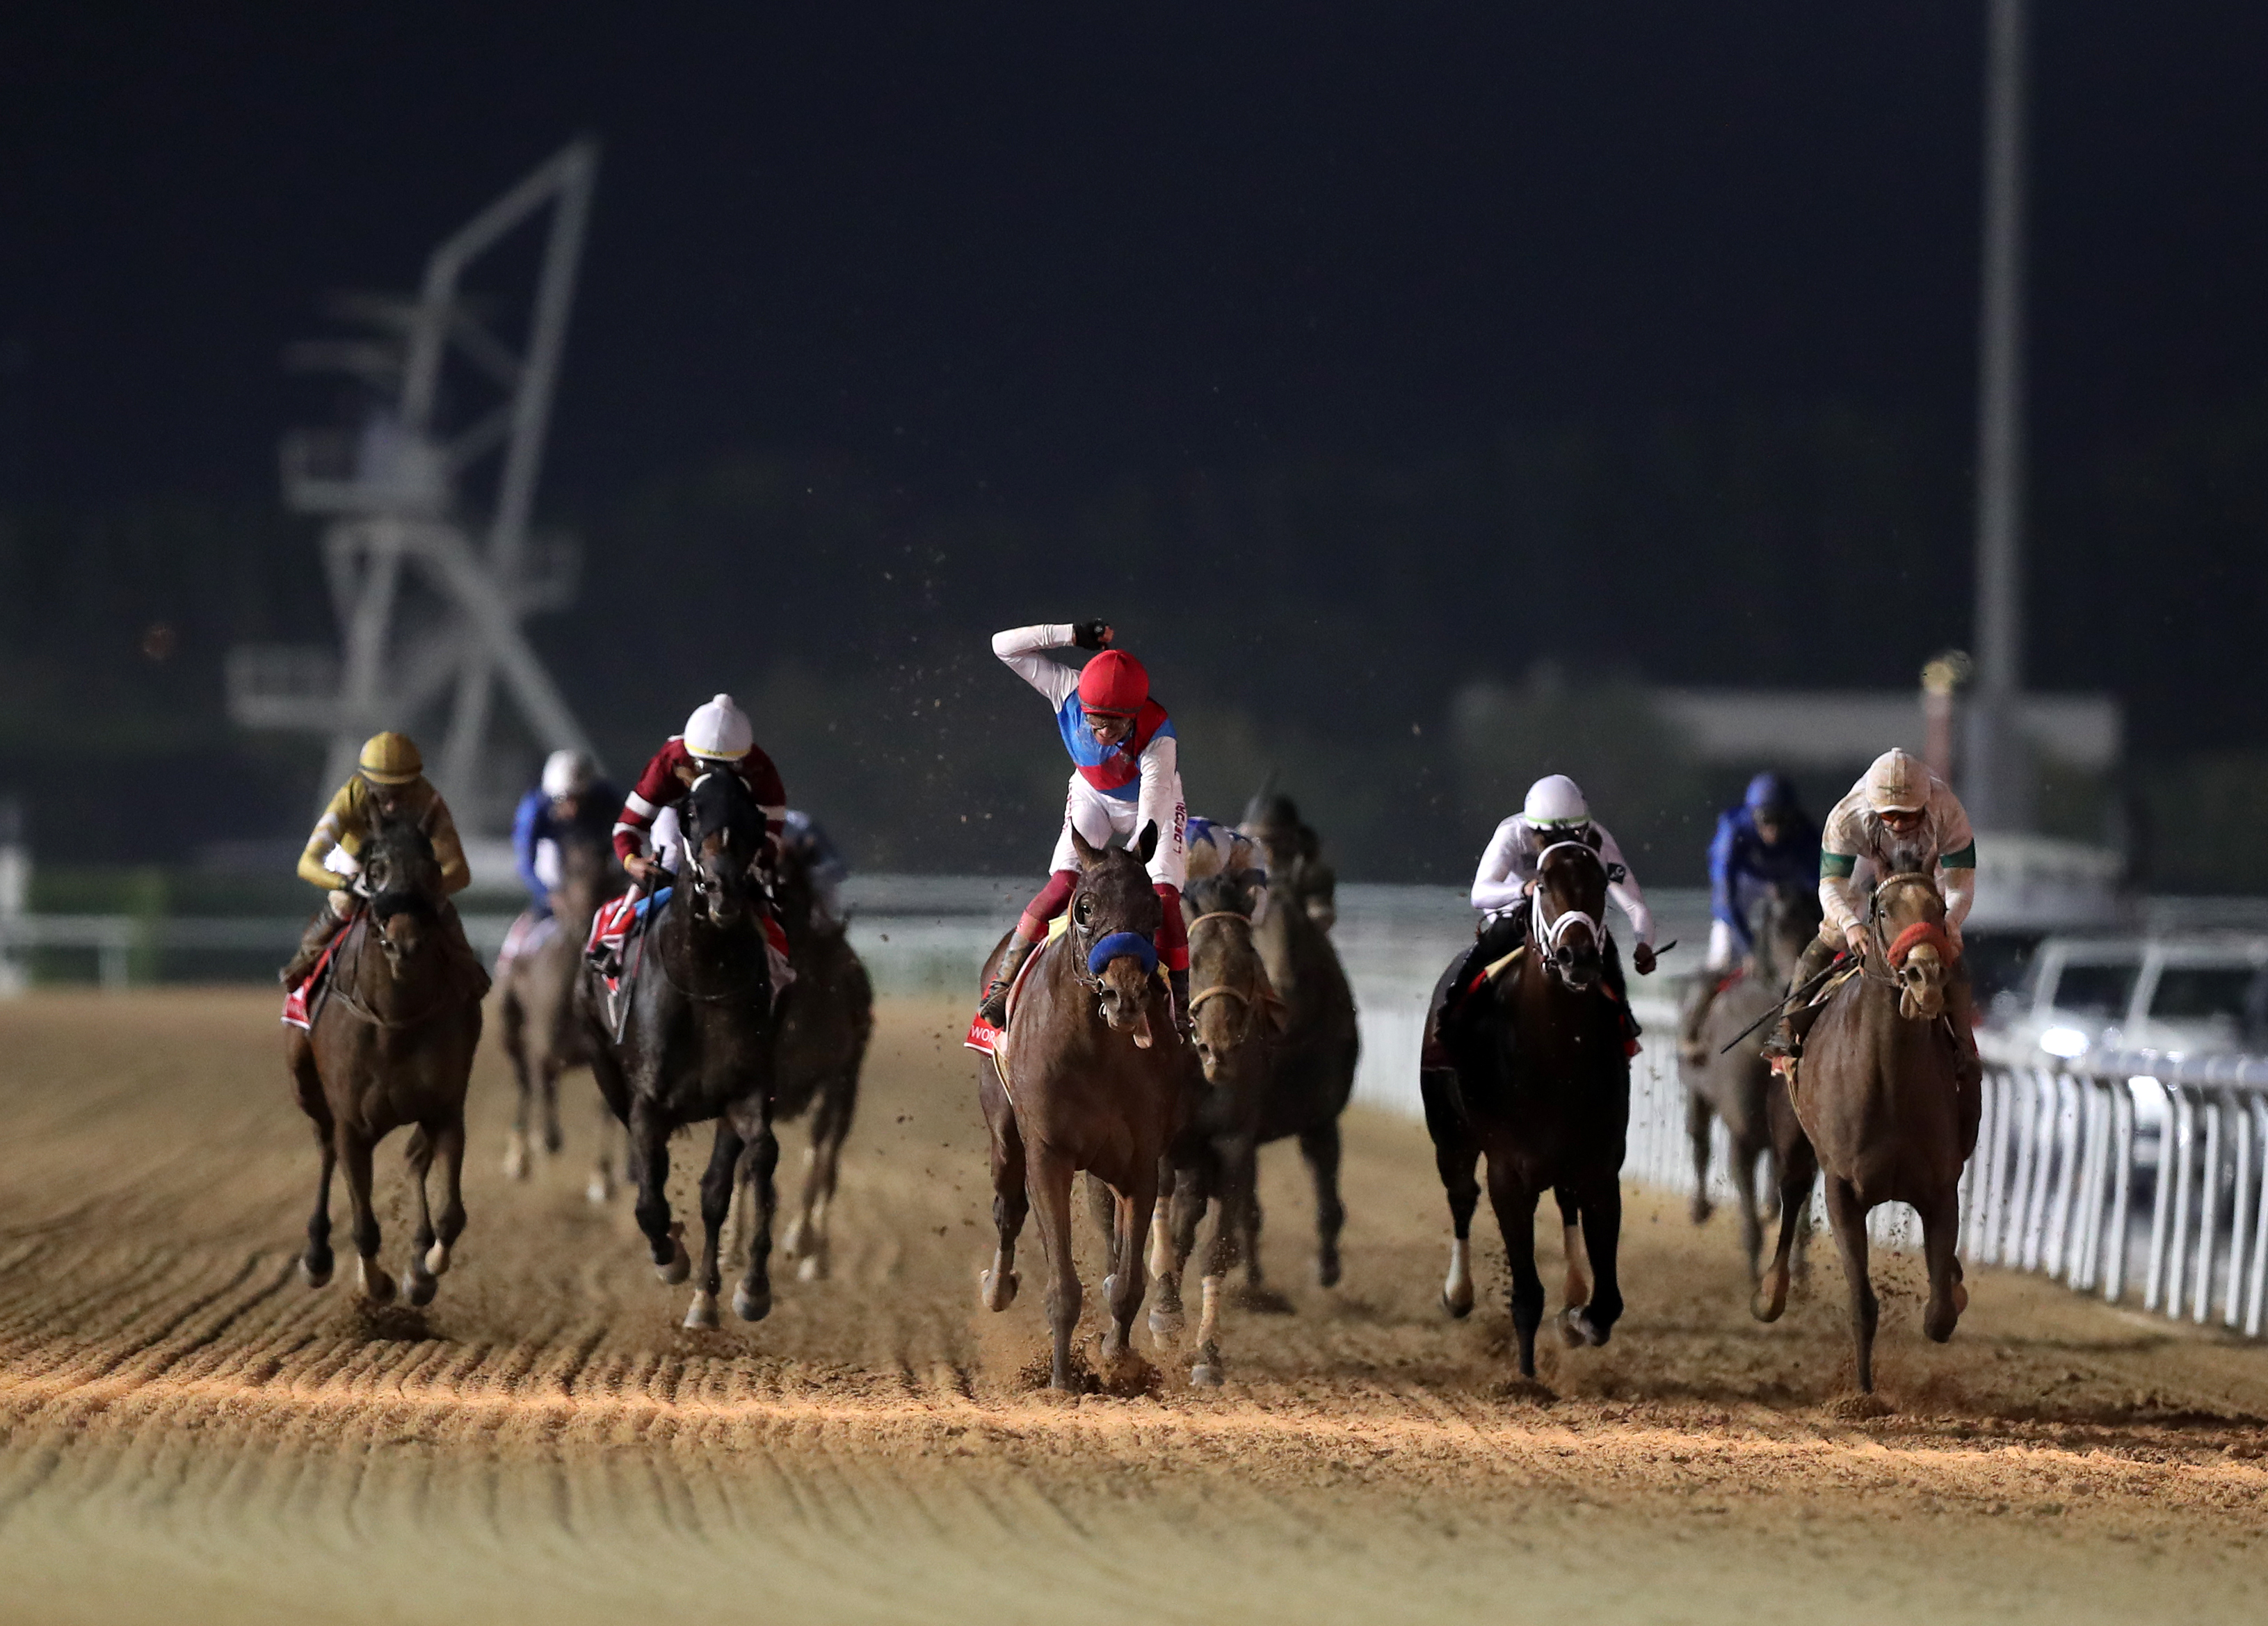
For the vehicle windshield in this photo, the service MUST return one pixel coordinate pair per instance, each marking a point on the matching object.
(2198, 993)
(2095, 991)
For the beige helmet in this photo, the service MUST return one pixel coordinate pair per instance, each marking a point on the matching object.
(1897, 782)
(390, 759)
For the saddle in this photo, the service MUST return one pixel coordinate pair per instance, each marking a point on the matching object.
(993, 1041)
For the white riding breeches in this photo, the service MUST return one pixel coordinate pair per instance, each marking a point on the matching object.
(1098, 818)
(1724, 947)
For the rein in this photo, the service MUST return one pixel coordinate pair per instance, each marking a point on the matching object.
(1546, 934)
(344, 977)
(1879, 966)
(1240, 994)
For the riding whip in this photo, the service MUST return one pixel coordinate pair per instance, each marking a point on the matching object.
(630, 971)
(1787, 1003)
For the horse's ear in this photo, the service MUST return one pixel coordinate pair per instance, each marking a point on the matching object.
(1146, 843)
(1087, 852)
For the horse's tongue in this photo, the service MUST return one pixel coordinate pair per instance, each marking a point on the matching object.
(1142, 1031)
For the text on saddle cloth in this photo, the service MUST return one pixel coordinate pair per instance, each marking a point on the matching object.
(992, 1040)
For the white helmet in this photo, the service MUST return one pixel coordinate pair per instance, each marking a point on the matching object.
(1897, 782)
(567, 773)
(719, 732)
(1556, 800)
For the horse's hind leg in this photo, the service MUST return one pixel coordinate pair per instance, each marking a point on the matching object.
(607, 1156)
(1515, 1218)
(1847, 1217)
(449, 1146)
(354, 1156)
(649, 1172)
(554, 1139)
(1744, 1182)
(1125, 1287)
(1940, 1234)
(315, 1263)
(1796, 1168)
(805, 1241)
(1593, 1322)
(752, 1299)
(1455, 1157)
(1697, 1117)
(1320, 1146)
(716, 1203)
(1011, 1199)
(418, 1282)
(517, 1156)
(1172, 1233)
(1050, 1182)
(1240, 1171)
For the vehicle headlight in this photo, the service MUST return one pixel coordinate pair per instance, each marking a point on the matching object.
(2065, 1041)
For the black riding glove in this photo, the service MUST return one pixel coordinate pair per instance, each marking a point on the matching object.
(1090, 635)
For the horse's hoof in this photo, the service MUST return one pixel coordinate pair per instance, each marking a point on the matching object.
(1701, 1209)
(420, 1289)
(1206, 1377)
(1459, 1306)
(1960, 1300)
(599, 1191)
(1577, 1330)
(681, 1263)
(791, 1244)
(313, 1274)
(437, 1259)
(515, 1159)
(376, 1285)
(999, 1290)
(750, 1306)
(813, 1267)
(1109, 1287)
(1327, 1270)
(702, 1315)
(553, 1142)
(1166, 1327)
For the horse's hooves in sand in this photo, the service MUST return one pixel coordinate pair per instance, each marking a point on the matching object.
(1576, 1330)
(1166, 1327)
(791, 1245)
(377, 1286)
(313, 1274)
(437, 1259)
(751, 1306)
(598, 1191)
(420, 1288)
(1000, 1288)
(812, 1267)
(702, 1315)
(515, 1159)
(1460, 1307)
(681, 1263)
(1327, 1270)
(1205, 1377)
(1701, 1209)
(1859, 1407)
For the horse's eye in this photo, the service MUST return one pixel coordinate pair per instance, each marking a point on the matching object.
(1084, 910)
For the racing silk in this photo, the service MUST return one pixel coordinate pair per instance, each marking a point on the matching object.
(1741, 869)
(659, 787)
(1945, 846)
(334, 851)
(1145, 767)
(1509, 865)
(1217, 848)
(536, 831)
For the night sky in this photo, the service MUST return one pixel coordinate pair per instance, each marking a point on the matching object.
(1001, 265)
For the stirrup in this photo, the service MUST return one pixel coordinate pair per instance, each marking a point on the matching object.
(993, 1008)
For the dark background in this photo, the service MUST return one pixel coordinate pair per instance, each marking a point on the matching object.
(1344, 359)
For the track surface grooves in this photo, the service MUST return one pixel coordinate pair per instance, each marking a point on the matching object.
(186, 1433)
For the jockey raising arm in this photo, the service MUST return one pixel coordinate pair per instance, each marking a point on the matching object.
(1126, 773)
(717, 738)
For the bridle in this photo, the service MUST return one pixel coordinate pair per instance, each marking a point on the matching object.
(1876, 966)
(1243, 996)
(1085, 965)
(1546, 934)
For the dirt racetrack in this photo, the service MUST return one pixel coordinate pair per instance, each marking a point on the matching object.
(189, 1434)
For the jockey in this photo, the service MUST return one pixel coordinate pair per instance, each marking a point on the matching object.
(1899, 816)
(822, 861)
(1224, 850)
(389, 783)
(717, 738)
(1554, 812)
(571, 800)
(1126, 773)
(1764, 842)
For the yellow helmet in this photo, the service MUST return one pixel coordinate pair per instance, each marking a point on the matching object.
(390, 759)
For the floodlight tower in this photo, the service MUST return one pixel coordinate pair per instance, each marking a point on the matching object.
(431, 563)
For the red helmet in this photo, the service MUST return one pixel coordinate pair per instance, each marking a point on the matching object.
(1114, 683)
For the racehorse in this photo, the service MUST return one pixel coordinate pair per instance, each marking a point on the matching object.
(1880, 1105)
(825, 1023)
(536, 1004)
(1094, 1078)
(1237, 1028)
(1735, 1084)
(697, 1045)
(391, 1044)
(1541, 1089)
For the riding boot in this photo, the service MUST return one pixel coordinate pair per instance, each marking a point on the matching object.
(1787, 1038)
(1179, 983)
(994, 1010)
(1498, 936)
(312, 942)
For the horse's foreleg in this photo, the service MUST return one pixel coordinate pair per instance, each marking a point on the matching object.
(1697, 1116)
(1240, 1163)
(1515, 1218)
(354, 1156)
(1744, 1182)
(1011, 1202)
(752, 1299)
(1847, 1218)
(315, 1263)
(517, 1156)
(1796, 1168)
(650, 1173)
(1168, 1256)
(805, 1241)
(1940, 1234)
(716, 1203)
(1248, 1211)
(1320, 1146)
(1593, 1322)
(607, 1153)
(418, 1282)
(1050, 1189)
(1457, 1160)
(449, 1146)
(1130, 1227)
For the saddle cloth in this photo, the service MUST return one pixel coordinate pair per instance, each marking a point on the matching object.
(296, 1000)
(993, 1041)
(620, 919)
(526, 935)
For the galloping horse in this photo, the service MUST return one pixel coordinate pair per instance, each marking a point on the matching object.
(1094, 1078)
(1881, 1106)
(536, 999)
(1543, 1090)
(1237, 1025)
(391, 1044)
(1737, 1084)
(825, 1024)
(697, 1045)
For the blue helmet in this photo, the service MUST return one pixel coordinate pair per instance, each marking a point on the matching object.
(1770, 794)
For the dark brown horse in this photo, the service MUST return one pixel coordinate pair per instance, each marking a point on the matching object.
(390, 1046)
(697, 1046)
(1880, 1104)
(535, 1005)
(826, 1022)
(1541, 1090)
(1736, 1085)
(1237, 1025)
(1096, 1078)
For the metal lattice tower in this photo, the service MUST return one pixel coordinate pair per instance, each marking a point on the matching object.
(431, 563)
